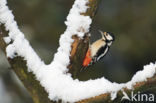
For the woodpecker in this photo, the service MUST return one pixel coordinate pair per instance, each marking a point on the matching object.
(98, 49)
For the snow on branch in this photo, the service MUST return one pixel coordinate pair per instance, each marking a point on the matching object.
(54, 77)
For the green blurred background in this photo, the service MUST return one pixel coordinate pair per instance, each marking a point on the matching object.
(133, 23)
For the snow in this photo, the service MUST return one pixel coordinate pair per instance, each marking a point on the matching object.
(148, 72)
(54, 77)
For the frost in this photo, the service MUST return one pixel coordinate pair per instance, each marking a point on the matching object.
(53, 77)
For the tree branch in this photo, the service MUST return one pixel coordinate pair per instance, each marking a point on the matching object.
(80, 46)
(18, 64)
(79, 49)
(138, 87)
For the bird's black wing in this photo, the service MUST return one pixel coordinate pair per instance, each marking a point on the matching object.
(101, 53)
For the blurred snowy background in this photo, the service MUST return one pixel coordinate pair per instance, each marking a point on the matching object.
(133, 23)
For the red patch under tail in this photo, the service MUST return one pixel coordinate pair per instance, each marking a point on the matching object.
(87, 59)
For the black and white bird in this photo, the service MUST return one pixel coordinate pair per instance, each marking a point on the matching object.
(98, 49)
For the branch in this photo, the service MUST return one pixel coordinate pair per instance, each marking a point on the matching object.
(138, 87)
(18, 64)
(80, 46)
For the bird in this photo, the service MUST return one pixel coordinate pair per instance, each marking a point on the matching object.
(98, 49)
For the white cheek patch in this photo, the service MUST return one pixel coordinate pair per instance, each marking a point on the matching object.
(109, 37)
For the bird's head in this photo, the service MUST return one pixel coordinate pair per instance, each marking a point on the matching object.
(107, 36)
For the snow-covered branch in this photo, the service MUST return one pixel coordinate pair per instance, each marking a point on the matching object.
(55, 77)
(140, 83)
